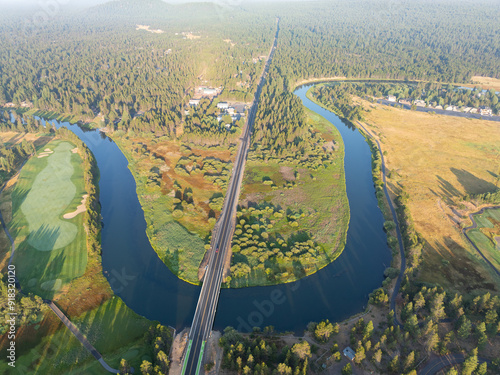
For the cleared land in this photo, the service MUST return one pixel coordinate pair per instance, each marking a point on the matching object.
(181, 189)
(294, 216)
(50, 251)
(487, 235)
(438, 160)
(487, 82)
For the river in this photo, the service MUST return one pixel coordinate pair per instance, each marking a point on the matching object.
(141, 279)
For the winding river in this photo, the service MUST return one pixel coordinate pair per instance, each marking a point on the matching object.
(141, 279)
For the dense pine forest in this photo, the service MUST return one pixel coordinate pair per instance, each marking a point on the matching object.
(96, 65)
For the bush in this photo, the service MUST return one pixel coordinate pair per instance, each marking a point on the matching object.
(391, 272)
(177, 214)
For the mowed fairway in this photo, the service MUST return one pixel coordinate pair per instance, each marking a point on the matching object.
(50, 250)
(487, 235)
(439, 159)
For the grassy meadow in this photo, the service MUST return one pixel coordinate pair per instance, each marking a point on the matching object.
(112, 328)
(181, 189)
(438, 160)
(293, 218)
(487, 82)
(487, 235)
(50, 250)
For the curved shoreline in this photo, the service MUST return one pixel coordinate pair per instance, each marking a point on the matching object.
(393, 213)
(395, 292)
(64, 319)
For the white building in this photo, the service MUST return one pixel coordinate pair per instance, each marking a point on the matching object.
(485, 111)
(209, 91)
(194, 102)
(391, 98)
(222, 105)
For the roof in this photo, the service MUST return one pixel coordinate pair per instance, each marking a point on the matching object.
(349, 353)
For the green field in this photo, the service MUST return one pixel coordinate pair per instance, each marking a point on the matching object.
(297, 216)
(112, 328)
(486, 235)
(50, 250)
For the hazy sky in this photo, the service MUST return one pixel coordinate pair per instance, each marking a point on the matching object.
(80, 3)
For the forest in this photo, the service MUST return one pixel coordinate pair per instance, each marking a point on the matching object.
(99, 68)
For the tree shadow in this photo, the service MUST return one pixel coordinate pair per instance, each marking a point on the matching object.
(447, 189)
(471, 183)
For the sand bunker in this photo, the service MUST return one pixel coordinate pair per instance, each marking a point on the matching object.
(45, 153)
(81, 208)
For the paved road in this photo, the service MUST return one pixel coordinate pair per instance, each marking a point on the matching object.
(398, 231)
(473, 226)
(441, 111)
(439, 363)
(207, 303)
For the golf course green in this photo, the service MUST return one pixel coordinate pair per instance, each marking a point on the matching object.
(50, 250)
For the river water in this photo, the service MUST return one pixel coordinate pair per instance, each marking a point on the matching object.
(141, 279)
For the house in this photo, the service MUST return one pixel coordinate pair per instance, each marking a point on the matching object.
(222, 105)
(349, 353)
(230, 110)
(419, 103)
(449, 108)
(466, 109)
(485, 111)
(208, 91)
(404, 101)
(473, 110)
(391, 98)
(439, 107)
(194, 102)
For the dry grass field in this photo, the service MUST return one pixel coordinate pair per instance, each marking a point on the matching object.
(439, 159)
(487, 82)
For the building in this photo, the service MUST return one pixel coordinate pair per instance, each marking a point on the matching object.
(485, 111)
(230, 110)
(466, 109)
(419, 103)
(473, 110)
(194, 102)
(404, 101)
(439, 107)
(391, 98)
(208, 91)
(222, 105)
(349, 353)
(449, 108)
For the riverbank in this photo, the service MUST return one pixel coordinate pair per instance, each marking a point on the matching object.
(293, 216)
(85, 298)
(181, 188)
(436, 185)
(386, 202)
